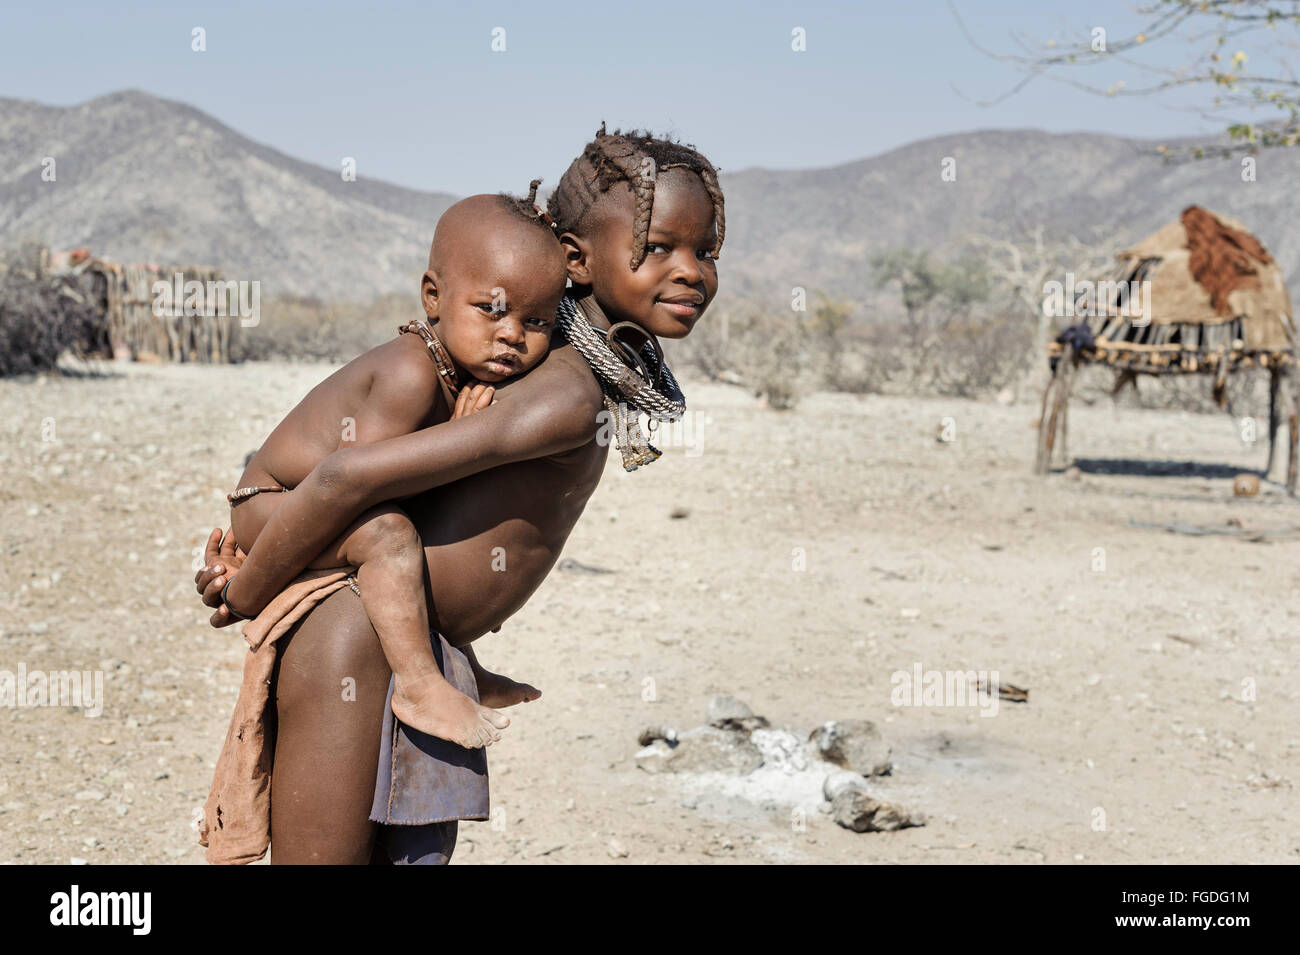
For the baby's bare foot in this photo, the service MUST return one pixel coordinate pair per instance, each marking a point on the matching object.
(432, 705)
(497, 691)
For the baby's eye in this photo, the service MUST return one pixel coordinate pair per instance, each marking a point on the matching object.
(485, 307)
(540, 323)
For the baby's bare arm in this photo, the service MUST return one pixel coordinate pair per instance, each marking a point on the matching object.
(403, 395)
(389, 391)
(551, 410)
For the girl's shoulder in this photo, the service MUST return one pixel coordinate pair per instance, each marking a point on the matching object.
(562, 385)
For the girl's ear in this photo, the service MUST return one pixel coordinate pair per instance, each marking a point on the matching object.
(577, 258)
(430, 294)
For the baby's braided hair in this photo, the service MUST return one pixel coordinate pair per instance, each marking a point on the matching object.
(527, 208)
(621, 157)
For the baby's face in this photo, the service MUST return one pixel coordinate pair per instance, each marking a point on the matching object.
(495, 310)
(678, 278)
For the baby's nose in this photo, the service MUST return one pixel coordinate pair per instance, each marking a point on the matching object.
(510, 330)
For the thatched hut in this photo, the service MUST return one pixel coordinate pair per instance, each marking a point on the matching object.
(1200, 296)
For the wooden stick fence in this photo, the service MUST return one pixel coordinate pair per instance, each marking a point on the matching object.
(139, 330)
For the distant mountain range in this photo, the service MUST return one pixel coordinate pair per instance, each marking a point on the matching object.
(140, 178)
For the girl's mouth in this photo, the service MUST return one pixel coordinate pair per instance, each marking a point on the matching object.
(682, 308)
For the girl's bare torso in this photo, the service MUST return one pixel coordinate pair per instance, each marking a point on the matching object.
(489, 539)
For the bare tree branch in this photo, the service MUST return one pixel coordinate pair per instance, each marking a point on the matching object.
(1233, 89)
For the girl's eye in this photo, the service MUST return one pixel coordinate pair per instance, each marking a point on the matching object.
(656, 247)
(706, 254)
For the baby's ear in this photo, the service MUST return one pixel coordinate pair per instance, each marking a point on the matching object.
(430, 293)
(577, 258)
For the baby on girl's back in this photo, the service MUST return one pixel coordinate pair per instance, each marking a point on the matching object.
(495, 278)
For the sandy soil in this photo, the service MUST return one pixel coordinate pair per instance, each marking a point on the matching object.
(1162, 686)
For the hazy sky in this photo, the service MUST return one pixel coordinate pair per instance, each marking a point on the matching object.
(415, 93)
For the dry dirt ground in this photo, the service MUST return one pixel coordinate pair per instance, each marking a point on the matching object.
(793, 559)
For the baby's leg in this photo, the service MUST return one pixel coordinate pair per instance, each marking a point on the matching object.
(384, 546)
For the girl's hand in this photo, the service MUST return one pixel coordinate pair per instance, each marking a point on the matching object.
(471, 399)
(222, 559)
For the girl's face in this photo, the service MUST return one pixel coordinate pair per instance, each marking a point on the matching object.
(678, 278)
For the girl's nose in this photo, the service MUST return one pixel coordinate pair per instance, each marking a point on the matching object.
(687, 268)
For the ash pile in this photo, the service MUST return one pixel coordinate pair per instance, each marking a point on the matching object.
(834, 770)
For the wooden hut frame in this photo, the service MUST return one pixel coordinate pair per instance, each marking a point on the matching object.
(1216, 304)
(125, 296)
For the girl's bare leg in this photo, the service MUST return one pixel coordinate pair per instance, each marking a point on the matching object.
(330, 689)
(385, 547)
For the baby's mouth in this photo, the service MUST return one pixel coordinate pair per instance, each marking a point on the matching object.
(508, 362)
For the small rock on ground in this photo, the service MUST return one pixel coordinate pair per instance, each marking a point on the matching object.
(703, 749)
(862, 812)
(854, 744)
(729, 713)
(840, 780)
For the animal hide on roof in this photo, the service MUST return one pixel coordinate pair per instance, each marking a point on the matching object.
(1208, 269)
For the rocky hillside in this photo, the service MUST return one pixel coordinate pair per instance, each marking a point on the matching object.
(143, 178)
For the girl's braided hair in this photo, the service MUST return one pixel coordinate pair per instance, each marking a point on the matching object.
(622, 157)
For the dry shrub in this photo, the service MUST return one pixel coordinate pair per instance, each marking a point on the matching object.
(308, 329)
(864, 360)
(978, 355)
(780, 355)
(42, 316)
(745, 344)
(1247, 392)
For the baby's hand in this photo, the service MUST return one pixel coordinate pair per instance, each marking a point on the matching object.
(471, 399)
